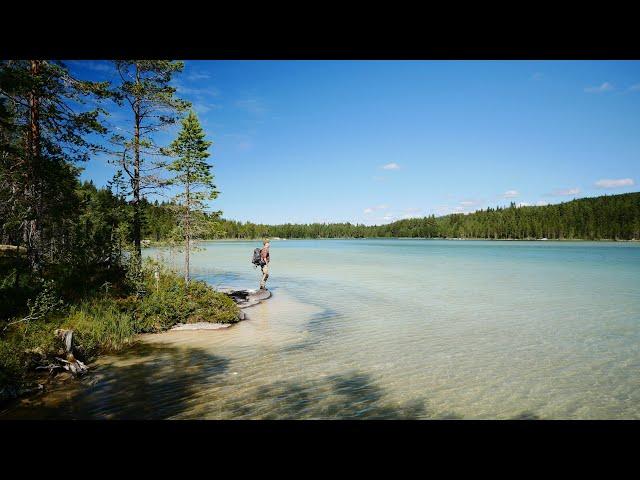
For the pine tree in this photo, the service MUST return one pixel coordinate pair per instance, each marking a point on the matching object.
(145, 91)
(193, 174)
(46, 107)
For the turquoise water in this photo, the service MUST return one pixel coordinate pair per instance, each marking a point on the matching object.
(391, 329)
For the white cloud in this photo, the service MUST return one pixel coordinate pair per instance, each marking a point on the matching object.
(605, 87)
(540, 203)
(614, 183)
(537, 76)
(368, 210)
(568, 191)
(467, 203)
(635, 88)
(510, 194)
(391, 166)
(523, 204)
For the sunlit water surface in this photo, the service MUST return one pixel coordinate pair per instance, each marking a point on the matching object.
(390, 329)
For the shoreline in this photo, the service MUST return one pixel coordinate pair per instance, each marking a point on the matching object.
(41, 382)
(460, 239)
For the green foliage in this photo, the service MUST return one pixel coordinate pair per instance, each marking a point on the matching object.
(48, 129)
(171, 301)
(614, 217)
(104, 323)
(99, 326)
(144, 89)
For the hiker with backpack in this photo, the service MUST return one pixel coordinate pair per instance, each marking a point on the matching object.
(261, 258)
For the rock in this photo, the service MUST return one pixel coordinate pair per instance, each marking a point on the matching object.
(246, 298)
(201, 326)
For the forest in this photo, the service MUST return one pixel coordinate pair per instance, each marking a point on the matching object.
(608, 217)
(73, 283)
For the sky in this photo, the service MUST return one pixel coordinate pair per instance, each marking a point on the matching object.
(377, 141)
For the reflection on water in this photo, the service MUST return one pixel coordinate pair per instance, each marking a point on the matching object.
(390, 329)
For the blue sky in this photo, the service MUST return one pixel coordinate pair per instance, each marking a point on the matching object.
(375, 141)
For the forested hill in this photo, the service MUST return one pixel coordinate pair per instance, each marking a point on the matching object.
(615, 217)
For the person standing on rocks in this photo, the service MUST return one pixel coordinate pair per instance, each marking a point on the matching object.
(264, 263)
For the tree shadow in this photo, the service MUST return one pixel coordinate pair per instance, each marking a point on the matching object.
(148, 381)
(353, 395)
(320, 325)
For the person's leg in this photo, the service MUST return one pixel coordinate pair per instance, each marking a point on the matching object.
(265, 275)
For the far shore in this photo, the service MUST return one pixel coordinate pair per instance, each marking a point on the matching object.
(152, 244)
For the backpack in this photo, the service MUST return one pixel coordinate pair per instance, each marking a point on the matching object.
(256, 256)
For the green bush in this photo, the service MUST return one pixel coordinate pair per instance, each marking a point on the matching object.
(104, 324)
(171, 301)
(99, 326)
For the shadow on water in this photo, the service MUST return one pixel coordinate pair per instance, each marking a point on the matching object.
(353, 395)
(147, 382)
(319, 326)
(156, 381)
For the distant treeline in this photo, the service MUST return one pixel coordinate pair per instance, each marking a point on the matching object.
(615, 217)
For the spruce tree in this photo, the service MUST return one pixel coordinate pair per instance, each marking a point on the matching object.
(193, 175)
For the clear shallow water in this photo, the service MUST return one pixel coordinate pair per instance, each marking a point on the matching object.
(391, 329)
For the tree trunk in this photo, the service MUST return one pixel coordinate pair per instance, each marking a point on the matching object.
(187, 233)
(32, 227)
(137, 221)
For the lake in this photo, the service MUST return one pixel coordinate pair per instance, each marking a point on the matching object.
(391, 328)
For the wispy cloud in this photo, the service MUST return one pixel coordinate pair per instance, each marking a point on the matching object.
(540, 203)
(605, 87)
(523, 204)
(391, 166)
(635, 88)
(374, 209)
(510, 194)
(564, 192)
(537, 76)
(204, 107)
(242, 141)
(252, 105)
(614, 183)
(195, 76)
(181, 88)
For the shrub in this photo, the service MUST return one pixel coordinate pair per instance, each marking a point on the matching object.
(171, 301)
(99, 326)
